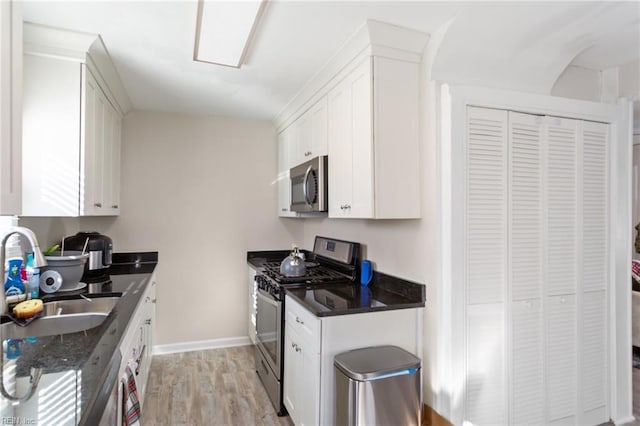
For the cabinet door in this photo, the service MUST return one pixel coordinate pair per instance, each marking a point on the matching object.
(296, 150)
(312, 132)
(360, 82)
(351, 145)
(319, 129)
(51, 136)
(340, 152)
(111, 171)
(93, 165)
(309, 385)
(116, 157)
(301, 378)
(305, 137)
(293, 373)
(284, 184)
(10, 107)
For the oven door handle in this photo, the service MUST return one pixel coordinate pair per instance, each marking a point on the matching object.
(263, 295)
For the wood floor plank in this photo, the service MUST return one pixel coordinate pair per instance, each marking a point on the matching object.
(212, 387)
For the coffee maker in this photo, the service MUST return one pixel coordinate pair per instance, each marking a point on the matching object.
(100, 249)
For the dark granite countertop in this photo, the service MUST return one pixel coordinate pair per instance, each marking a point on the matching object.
(75, 365)
(384, 293)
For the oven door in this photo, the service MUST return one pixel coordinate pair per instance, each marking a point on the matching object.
(269, 329)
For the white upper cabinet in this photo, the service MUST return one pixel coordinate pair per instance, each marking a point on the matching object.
(309, 132)
(73, 108)
(284, 183)
(350, 149)
(374, 166)
(10, 107)
(362, 110)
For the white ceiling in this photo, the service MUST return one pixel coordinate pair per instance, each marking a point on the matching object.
(151, 43)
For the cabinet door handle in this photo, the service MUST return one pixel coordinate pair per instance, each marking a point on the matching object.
(299, 321)
(284, 210)
(148, 321)
(114, 206)
(97, 204)
(153, 300)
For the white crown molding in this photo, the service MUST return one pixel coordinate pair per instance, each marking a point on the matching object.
(81, 47)
(201, 345)
(373, 38)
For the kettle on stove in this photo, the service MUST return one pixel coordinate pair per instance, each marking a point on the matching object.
(293, 265)
(100, 249)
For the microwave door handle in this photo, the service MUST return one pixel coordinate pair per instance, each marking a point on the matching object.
(304, 185)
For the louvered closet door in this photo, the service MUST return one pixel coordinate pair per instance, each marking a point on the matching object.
(525, 271)
(486, 260)
(536, 270)
(593, 318)
(561, 277)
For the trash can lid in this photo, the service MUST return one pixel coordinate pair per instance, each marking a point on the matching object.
(375, 361)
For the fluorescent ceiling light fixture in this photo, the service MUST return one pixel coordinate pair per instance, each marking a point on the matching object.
(224, 30)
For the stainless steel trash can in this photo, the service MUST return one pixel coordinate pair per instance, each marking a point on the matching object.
(378, 385)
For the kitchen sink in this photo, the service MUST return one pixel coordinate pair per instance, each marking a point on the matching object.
(97, 305)
(62, 317)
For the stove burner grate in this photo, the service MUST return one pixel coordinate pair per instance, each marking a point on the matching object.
(316, 274)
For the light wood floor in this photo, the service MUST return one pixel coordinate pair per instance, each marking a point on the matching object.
(213, 387)
(220, 387)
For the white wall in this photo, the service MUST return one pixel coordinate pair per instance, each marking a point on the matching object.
(199, 191)
(602, 86)
(578, 83)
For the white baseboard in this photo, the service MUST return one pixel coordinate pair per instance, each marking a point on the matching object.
(200, 345)
(625, 420)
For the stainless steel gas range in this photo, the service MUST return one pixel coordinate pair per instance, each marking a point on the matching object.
(332, 261)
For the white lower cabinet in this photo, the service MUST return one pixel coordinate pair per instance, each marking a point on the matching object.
(301, 377)
(137, 343)
(312, 342)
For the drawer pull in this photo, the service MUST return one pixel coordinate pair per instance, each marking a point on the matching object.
(97, 204)
(114, 206)
(299, 321)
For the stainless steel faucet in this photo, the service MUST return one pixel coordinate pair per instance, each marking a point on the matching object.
(38, 262)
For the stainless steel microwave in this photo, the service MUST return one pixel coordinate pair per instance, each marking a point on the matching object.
(309, 186)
